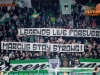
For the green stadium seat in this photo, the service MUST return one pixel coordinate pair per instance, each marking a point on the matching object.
(98, 73)
(46, 74)
(77, 74)
(69, 73)
(20, 73)
(51, 73)
(61, 73)
(25, 74)
(86, 74)
(36, 74)
(90, 74)
(10, 74)
(15, 74)
(30, 74)
(41, 74)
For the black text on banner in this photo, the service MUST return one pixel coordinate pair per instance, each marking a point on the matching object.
(59, 32)
(42, 47)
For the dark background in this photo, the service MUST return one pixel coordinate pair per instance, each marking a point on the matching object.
(57, 1)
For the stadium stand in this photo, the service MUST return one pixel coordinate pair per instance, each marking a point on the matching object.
(20, 18)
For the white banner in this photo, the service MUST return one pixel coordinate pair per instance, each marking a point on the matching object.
(59, 32)
(42, 47)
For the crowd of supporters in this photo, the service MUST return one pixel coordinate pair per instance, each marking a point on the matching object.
(50, 17)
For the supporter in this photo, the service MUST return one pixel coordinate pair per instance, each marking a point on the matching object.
(84, 25)
(89, 53)
(98, 54)
(95, 55)
(6, 58)
(86, 56)
(68, 26)
(98, 47)
(93, 24)
(41, 40)
(1, 56)
(83, 55)
(60, 40)
(48, 41)
(94, 44)
(71, 23)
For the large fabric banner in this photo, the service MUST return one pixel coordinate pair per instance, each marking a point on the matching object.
(89, 63)
(59, 32)
(20, 65)
(44, 64)
(45, 47)
(82, 63)
(65, 6)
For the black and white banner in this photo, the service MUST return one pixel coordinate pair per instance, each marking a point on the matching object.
(2, 65)
(24, 65)
(59, 32)
(54, 63)
(42, 47)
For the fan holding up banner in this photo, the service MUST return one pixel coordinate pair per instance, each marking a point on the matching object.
(65, 6)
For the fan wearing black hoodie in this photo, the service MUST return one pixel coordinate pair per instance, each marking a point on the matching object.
(95, 71)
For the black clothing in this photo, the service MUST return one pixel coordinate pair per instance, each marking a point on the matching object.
(7, 63)
(94, 73)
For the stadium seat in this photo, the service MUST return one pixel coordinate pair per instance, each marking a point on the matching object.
(10, 74)
(41, 74)
(61, 74)
(98, 73)
(30, 74)
(51, 74)
(90, 74)
(46, 74)
(36, 74)
(86, 74)
(20, 73)
(69, 73)
(77, 74)
(15, 74)
(25, 74)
